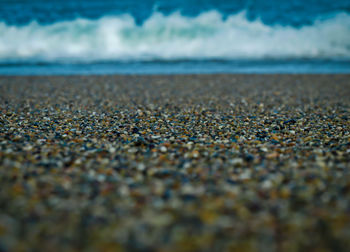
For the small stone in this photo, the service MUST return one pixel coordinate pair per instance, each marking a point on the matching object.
(272, 155)
(267, 184)
(245, 175)
(141, 167)
(236, 161)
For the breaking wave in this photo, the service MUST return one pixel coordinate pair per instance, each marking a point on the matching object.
(174, 37)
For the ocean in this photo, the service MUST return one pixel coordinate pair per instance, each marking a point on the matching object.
(107, 36)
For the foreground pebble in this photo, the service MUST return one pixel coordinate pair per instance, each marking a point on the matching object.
(175, 163)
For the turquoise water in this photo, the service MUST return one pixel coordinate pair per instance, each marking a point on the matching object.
(100, 37)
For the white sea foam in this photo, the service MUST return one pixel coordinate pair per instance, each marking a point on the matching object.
(174, 37)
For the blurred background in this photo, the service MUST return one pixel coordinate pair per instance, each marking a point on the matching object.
(179, 36)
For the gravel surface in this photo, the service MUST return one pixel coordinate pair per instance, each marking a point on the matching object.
(175, 163)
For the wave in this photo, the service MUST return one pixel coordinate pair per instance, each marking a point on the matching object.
(174, 37)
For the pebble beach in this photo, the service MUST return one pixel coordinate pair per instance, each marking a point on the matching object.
(175, 163)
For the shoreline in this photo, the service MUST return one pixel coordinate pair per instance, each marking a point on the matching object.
(285, 66)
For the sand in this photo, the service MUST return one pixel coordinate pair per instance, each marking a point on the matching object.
(175, 163)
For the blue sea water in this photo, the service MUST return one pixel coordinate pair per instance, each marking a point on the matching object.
(179, 36)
